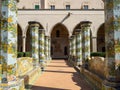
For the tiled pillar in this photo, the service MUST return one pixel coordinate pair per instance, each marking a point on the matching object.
(85, 28)
(34, 31)
(42, 47)
(79, 48)
(74, 46)
(8, 55)
(46, 47)
(112, 36)
(8, 46)
(70, 48)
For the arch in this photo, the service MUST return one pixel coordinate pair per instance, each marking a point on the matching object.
(76, 27)
(59, 43)
(28, 38)
(19, 39)
(101, 38)
(27, 28)
(57, 24)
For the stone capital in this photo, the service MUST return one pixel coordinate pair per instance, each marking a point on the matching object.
(85, 23)
(24, 36)
(94, 37)
(72, 36)
(41, 31)
(17, 0)
(33, 24)
(47, 36)
(77, 31)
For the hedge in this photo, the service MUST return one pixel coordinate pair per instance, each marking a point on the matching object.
(24, 54)
(100, 54)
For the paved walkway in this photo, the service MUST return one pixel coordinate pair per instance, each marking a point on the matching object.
(60, 76)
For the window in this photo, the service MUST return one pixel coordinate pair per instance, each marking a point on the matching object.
(85, 7)
(52, 7)
(57, 33)
(67, 7)
(37, 7)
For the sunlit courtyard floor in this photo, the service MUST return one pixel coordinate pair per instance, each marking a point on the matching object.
(59, 75)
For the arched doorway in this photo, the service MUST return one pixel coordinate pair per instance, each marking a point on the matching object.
(59, 41)
(19, 39)
(28, 38)
(101, 39)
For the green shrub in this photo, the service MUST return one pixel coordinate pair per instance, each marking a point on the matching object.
(24, 54)
(100, 54)
(20, 54)
(27, 54)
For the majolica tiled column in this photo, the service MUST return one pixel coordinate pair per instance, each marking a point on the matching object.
(8, 47)
(79, 48)
(112, 34)
(8, 55)
(42, 47)
(85, 28)
(34, 31)
(74, 47)
(46, 47)
(70, 48)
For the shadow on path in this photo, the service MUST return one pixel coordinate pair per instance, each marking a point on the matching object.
(79, 80)
(42, 88)
(68, 77)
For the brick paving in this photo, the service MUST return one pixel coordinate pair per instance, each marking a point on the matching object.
(60, 76)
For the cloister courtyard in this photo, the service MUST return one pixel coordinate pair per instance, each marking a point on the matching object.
(61, 49)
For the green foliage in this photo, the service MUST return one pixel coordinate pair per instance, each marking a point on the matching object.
(100, 54)
(24, 54)
(27, 54)
(20, 54)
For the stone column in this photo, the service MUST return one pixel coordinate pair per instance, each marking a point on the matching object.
(8, 46)
(72, 44)
(85, 27)
(112, 36)
(79, 48)
(94, 44)
(24, 43)
(49, 48)
(34, 31)
(42, 47)
(46, 47)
